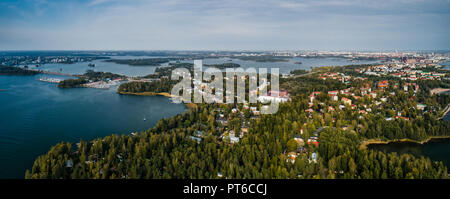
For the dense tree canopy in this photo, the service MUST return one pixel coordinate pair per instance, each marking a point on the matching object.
(270, 146)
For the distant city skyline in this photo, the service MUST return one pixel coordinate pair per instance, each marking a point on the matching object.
(225, 25)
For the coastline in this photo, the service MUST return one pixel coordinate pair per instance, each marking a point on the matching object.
(165, 94)
(366, 143)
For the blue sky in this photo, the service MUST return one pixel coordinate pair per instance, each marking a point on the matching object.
(225, 25)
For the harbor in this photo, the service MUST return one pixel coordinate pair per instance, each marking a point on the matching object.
(51, 80)
(103, 84)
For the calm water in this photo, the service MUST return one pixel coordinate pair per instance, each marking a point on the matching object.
(446, 64)
(35, 115)
(287, 67)
(100, 65)
(437, 149)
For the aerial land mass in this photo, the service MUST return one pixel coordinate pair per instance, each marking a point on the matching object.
(320, 131)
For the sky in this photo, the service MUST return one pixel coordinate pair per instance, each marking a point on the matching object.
(224, 25)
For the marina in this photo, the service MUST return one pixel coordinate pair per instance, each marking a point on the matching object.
(39, 114)
(51, 80)
(103, 84)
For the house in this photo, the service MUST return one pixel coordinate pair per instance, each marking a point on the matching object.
(334, 98)
(365, 90)
(383, 84)
(199, 134)
(313, 158)
(330, 108)
(279, 93)
(400, 117)
(196, 139)
(69, 164)
(313, 141)
(231, 133)
(346, 101)
(331, 93)
(299, 140)
(234, 139)
(275, 96)
(222, 121)
(243, 132)
(311, 98)
(421, 106)
(291, 157)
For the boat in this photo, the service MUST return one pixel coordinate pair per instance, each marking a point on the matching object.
(145, 119)
(91, 65)
(298, 62)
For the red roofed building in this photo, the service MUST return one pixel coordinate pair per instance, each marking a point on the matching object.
(315, 142)
(347, 101)
(383, 84)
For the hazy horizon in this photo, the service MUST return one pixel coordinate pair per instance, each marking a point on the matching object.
(231, 25)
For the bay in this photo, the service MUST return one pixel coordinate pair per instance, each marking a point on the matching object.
(36, 115)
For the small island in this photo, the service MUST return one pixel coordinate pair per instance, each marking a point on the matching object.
(11, 70)
(142, 62)
(264, 58)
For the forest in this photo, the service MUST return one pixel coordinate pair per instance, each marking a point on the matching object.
(11, 70)
(168, 151)
(158, 86)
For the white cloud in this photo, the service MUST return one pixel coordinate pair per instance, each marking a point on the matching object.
(177, 24)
